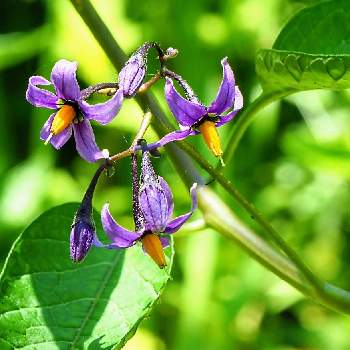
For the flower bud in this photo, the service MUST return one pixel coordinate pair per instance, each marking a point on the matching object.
(153, 199)
(83, 231)
(170, 53)
(132, 74)
(81, 238)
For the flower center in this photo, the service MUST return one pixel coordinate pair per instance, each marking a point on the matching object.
(211, 137)
(63, 118)
(153, 247)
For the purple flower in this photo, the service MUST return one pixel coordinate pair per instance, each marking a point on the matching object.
(156, 208)
(193, 117)
(72, 113)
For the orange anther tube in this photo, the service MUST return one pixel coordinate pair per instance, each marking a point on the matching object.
(153, 247)
(62, 119)
(211, 137)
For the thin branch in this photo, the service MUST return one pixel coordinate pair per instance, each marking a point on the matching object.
(86, 93)
(145, 86)
(142, 130)
(182, 162)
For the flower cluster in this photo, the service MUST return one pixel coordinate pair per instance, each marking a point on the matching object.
(152, 197)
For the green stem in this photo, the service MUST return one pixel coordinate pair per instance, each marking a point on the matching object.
(273, 234)
(220, 217)
(244, 120)
(331, 295)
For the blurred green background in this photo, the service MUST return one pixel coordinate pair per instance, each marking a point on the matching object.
(293, 163)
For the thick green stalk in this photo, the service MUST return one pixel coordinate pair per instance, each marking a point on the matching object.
(272, 259)
(256, 215)
(222, 219)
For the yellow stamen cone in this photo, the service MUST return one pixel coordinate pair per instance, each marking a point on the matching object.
(153, 247)
(211, 137)
(62, 120)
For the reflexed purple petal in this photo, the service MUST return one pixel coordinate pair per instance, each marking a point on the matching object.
(165, 241)
(85, 141)
(238, 99)
(154, 206)
(121, 237)
(81, 238)
(59, 140)
(175, 224)
(132, 74)
(45, 131)
(173, 136)
(105, 112)
(63, 77)
(226, 94)
(168, 195)
(40, 97)
(186, 112)
(237, 106)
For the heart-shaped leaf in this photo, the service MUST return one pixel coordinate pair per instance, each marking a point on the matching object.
(311, 52)
(47, 302)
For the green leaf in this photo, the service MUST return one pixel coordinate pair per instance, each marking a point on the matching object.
(47, 302)
(311, 52)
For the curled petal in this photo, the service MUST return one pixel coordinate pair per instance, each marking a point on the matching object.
(226, 94)
(173, 136)
(85, 142)
(121, 237)
(237, 106)
(63, 77)
(168, 195)
(186, 112)
(105, 112)
(40, 97)
(175, 224)
(56, 141)
(132, 74)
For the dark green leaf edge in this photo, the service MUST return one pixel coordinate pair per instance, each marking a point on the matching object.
(295, 71)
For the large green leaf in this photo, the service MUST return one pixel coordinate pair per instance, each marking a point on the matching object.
(311, 52)
(47, 302)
